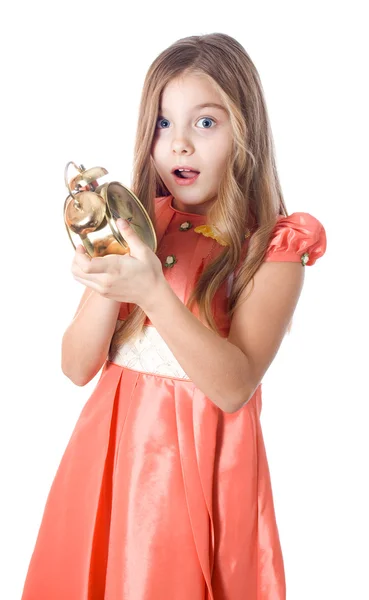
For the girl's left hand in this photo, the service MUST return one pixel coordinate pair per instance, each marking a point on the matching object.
(133, 277)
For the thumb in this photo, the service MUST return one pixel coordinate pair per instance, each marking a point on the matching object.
(133, 240)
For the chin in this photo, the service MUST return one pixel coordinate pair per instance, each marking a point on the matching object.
(197, 204)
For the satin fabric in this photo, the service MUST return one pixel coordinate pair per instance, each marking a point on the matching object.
(159, 494)
(293, 236)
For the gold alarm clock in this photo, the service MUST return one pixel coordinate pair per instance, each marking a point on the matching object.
(92, 209)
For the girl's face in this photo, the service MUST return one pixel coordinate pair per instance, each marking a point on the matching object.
(193, 131)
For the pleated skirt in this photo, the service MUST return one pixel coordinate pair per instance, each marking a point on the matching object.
(159, 495)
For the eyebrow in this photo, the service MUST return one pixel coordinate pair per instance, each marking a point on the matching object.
(210, 105)
(205, 105)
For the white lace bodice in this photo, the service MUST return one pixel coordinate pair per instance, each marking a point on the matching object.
(148, 354)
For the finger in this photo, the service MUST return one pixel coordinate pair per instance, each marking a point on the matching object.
(85, 272)
(136, 245)
(101, 284)
(104, 264)
(81, 249)
(90, 284)
(82, 259)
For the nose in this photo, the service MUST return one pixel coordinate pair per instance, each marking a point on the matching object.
(182, 145)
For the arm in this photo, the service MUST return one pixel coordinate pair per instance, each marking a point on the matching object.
(86, 341)
(229, 371)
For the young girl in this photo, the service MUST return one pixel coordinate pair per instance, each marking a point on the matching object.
(163, 492)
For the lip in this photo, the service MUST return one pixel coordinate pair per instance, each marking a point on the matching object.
(183, 167)
(181, 181)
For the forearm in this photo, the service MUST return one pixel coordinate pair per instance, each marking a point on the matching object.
(86, 341)
(217, 367)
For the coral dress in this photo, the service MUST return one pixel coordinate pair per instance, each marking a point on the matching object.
(160, 495)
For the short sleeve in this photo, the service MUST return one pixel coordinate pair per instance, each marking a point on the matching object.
(299, 237)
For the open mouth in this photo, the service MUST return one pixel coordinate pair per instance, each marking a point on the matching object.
(185, 173)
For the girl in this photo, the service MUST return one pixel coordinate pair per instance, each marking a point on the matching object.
(163, 492)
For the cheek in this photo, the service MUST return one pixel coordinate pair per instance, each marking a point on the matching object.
(157, 152)
(228, 149)
(155, 158)
(154, 148)
(219, 163)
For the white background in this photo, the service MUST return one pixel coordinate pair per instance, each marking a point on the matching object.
(71, 76)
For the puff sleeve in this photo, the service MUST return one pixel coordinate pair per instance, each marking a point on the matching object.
(299, 237)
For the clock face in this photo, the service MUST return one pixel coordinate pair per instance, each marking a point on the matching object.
(121, 202)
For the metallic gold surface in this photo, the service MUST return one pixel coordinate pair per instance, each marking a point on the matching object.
(87, 177)
(85, 215)
(92, 209)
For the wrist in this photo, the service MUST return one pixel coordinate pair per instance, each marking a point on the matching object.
(156, 296)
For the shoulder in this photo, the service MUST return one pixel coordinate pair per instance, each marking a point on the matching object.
(299, 237)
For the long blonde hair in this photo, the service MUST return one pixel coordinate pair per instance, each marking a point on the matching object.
(249, 194)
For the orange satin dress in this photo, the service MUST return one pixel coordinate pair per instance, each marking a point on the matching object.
(160, 495)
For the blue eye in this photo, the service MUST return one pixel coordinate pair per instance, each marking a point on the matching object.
(207, 120)
(160, 120)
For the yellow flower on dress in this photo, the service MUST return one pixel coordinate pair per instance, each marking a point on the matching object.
(209, 231)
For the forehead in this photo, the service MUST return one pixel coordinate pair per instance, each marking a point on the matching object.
(190, 91)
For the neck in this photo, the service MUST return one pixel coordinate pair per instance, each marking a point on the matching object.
(194, 209)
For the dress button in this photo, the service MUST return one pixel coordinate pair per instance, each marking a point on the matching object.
(170, 261)
(304, 258)
(185, 226)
